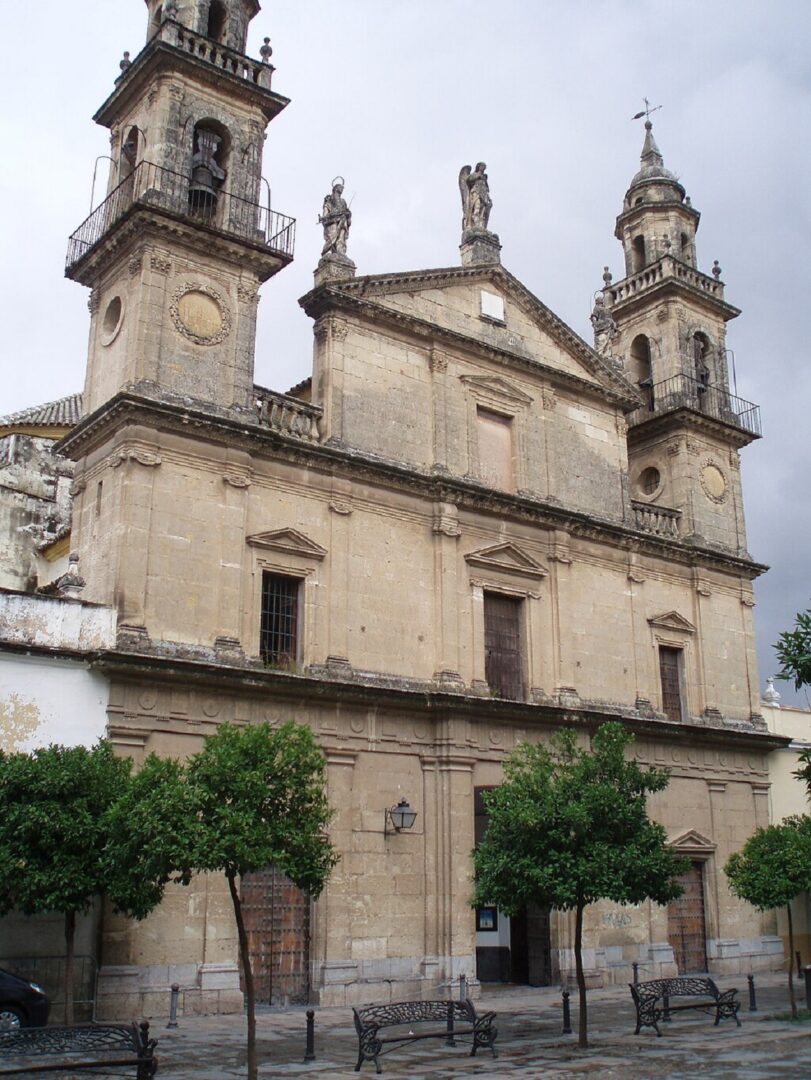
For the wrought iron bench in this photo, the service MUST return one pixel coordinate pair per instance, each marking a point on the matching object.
(77, 1049)
(459, 1019)
(652, 1000)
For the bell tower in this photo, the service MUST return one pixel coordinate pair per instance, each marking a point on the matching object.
(669, 326)
(175, 253)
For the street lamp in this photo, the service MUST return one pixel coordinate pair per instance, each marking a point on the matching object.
(400, 816)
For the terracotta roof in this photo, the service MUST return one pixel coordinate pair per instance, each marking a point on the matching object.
(66, 412)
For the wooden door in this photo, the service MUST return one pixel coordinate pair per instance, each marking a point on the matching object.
(686, 926)
(503, 667)
(670, 670)
(277, 921)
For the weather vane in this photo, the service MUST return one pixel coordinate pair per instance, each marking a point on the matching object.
(646, 111)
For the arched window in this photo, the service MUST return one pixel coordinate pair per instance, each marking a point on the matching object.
(638, 254)
(209, 167)
(130, 152)
(642, 368)
(217, 18)
(155, 21)
(701, 360)
(687, 250)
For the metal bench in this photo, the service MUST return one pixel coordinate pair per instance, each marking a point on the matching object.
(648, 996)
(79, 1048)
(459, 1019)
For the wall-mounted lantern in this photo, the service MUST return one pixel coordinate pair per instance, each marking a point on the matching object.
(399, 817)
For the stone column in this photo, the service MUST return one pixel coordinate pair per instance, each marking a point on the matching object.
(336, 633)
(446, 603)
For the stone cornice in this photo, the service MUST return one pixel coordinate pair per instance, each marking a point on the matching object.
(344, 295)
(416, 699)
(158, 57)
(686, 418)
(140, 221)
(209, 424)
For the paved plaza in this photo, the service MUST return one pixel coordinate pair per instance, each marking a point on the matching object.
(530, 1043)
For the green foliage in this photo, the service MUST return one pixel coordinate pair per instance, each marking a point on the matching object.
(774, 865)
(793, 650)
(150, 831)
(804, 771)
(53, 807)
(569, 827)
(260, 800)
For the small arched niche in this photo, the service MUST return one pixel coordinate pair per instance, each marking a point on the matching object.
(155, 20)
(638, 259)
(701, 349)
(641, 366)
(131, 150)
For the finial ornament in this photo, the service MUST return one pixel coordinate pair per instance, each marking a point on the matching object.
(646, 113)
(266, 51)
(716, 269)
(770, 695)
(608, 277)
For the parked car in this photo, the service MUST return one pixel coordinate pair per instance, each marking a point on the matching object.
(22, 1003)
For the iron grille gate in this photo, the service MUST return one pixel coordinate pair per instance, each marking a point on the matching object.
(277, 922)
(502, 645)
(686, 929)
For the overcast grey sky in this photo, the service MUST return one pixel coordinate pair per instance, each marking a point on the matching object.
(396, 95)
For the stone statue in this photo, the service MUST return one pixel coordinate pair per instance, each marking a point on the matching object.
(336, 217)
(605, 328)
(476, 201)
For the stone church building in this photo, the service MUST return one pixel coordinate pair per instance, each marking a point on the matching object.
(468, 529)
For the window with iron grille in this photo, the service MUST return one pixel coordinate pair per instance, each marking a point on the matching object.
(670, 661)
(279, 633)
(503, 660)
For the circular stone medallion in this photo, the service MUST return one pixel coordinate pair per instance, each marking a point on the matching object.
(714, 482)
(201, 314)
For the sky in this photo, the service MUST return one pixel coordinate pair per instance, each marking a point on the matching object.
(397, 95)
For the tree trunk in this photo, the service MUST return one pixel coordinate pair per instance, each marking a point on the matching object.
(791, 996)
(248, 975)
(70, 943)
(583, 1037)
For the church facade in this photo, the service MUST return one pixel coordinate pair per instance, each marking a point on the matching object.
(468, 529)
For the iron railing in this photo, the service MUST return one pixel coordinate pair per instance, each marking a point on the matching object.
(152, 186)
(683, 392)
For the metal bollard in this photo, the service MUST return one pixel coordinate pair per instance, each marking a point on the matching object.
(799, 964)
(808, 987)
(666, 1008)
(462, 987)
(173, 1006)
(635, 966)
(450, 1041)
(309, 1050)
(752, 1002)
(567, 1019)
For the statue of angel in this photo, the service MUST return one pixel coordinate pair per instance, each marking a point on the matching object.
(336, 217)
(476, 201)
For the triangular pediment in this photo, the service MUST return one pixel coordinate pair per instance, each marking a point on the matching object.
(493, 386)
(507, 558)
(447, 303)
(291, 541)
(671, 620)
(691, 842)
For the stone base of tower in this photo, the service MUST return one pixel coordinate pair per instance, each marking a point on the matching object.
(145, 990)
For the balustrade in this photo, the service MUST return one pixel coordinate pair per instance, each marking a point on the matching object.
(287, 415)
(659, 520)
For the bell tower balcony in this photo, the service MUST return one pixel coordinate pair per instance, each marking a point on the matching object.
(703, 400)
(170, 195)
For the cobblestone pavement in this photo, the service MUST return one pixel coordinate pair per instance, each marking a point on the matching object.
(530, 1043)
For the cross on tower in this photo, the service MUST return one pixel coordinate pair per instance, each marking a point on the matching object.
(646, 111)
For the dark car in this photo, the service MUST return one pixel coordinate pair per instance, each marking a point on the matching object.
(22, 1003)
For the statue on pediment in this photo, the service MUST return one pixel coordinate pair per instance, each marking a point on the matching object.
(336, 217)
(476, 202)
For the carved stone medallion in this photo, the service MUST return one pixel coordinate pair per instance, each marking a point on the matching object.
(200, 314)
(713, 482)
